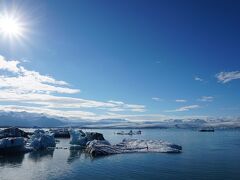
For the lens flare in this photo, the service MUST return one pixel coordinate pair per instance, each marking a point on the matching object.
(11, 27)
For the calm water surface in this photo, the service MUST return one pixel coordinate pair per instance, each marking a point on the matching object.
(205, 156)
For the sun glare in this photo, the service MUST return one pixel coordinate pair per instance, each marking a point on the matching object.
(10, 27)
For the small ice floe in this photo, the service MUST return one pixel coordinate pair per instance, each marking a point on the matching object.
(78, 137)
(103, 147)
(60, 132)
(131, 132)
(41, 140)
(13, 132)
(12, 145)
(206, 129)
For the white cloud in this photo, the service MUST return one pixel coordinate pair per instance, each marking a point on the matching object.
(30, 84)
(56, 102)
(148, 117)
(24, 88)
(86, 115)
(224, 77)
(73, 115)
(116, 102)
(25, 80)
(206, 98)
(8, 65)
(196, 78)
(185, 108)
(157, 99)
(181, 100)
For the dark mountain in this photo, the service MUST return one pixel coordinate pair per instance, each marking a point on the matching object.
(25, 119)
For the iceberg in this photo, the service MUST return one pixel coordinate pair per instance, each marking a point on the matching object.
(78, 137)
(60, 133)
(12, 145)
(103, 147)
(41, 140)
(95, 144)
(13, 132)
(129, 133)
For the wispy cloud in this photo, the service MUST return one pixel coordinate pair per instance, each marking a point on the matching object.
(147, 117)
(87, 115)
(31, 91)
(185, 108)
(73, 115)
(206, 98)
(157, 99)
(224, 77)
(196, 78)
(181, 100)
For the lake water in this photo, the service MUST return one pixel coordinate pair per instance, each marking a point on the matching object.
(205, 155)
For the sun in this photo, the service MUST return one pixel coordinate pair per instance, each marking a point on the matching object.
(11, 27)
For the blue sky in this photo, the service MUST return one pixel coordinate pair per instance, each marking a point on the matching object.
(157, 59)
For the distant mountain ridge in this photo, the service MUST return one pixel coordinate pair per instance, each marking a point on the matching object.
(25, 119)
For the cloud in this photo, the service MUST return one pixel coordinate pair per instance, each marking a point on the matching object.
(157, 99)
(196, 78)
(86, 115)
(185, 108)
(29, 90)
(8, 65)
(56, 102)
(73, 115)
(24, 80)
(148, 117)
(206, 99)
(224, 77)
(181, 100)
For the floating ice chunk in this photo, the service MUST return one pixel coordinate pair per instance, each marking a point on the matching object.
(102, 147)
(131, 132)
(78, 137)
(135, 145)
(60, 132)
(41, 140)
(12, 145)
(13, 132)
(81, 138)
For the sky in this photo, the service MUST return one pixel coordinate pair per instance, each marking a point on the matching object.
(131, 59)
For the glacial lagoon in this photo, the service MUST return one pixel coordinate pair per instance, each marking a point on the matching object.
(205, 155)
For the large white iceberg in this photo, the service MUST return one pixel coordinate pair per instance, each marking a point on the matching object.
(95, 144)
(41, 140)
(102, 147)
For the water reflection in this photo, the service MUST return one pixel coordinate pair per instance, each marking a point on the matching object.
(11, 160)
(74, 155)
(38, 156)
